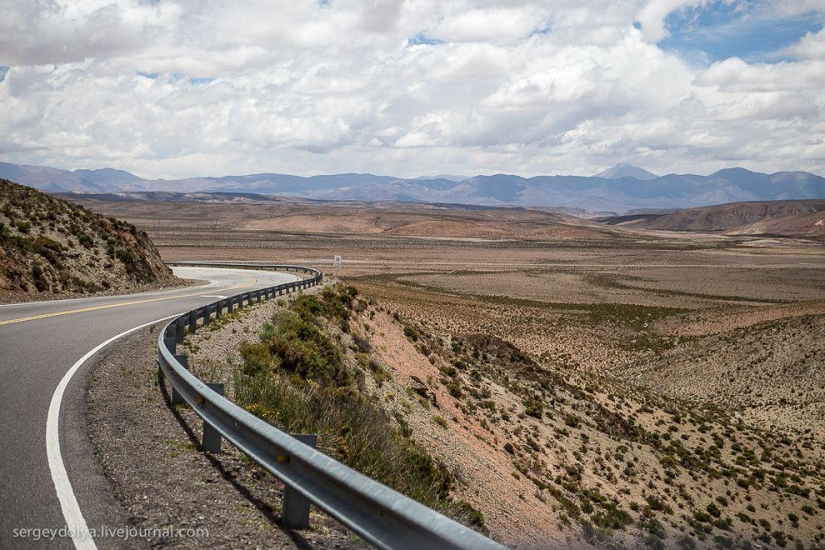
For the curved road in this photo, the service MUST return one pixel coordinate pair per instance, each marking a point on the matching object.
(39, 343)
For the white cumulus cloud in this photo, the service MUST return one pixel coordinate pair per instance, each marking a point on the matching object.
(184, 87)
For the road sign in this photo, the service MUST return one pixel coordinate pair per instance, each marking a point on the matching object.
(336, 261)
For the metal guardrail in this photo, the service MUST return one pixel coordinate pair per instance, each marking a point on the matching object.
(381, 516)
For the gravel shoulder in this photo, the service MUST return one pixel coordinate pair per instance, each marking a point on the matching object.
(150, 453)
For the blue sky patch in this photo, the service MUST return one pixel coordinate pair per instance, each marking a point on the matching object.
(421, 38)
(542, 31)
(3, 72)
(153, 76)
(718, 31)
(197, 81)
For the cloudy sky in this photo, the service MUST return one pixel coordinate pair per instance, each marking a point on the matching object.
(184, 88)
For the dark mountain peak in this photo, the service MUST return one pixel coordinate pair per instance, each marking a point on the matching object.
(625, 170)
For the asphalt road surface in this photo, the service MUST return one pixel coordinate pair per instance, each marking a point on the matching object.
(39, 343)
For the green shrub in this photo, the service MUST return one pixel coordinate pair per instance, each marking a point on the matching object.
(296, 378)
(441, 421)
(303, 349)
(352, 429)
(256, 357)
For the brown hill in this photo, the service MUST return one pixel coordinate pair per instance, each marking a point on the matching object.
(50, 246)
(391, 219)
(804, 218)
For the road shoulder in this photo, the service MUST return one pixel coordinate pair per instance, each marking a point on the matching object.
(147, 454)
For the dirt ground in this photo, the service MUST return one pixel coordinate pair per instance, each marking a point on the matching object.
(679, 373)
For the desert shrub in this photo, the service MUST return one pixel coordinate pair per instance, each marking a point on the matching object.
(572, 421)
(40, 281)
(658, 504)
(352, 429)
(295, 377)
(361, 344)
(85, 240)
(305, 350)
(267, 332)
(533, 407)
(454, 387)
(611, 517)
(256, 357)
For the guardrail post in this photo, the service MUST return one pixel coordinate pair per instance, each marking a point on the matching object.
(211, 436)
(180, 323)
(169, 339)
(193, 321)
(177, 399)
(229, 304)
(295, 512)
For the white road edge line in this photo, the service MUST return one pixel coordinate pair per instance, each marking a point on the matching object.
(75, 522)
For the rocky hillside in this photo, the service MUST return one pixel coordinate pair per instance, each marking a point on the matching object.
(50, 246)
(781, 218)
(532, 448)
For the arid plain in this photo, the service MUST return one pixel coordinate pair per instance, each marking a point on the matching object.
(594, 383)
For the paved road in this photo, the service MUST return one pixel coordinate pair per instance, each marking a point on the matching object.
(39, 343)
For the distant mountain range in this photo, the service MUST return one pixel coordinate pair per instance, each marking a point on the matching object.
(619, 189)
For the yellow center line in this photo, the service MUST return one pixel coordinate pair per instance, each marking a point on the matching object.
(120, 304)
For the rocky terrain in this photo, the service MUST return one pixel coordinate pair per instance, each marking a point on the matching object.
(52, 247)
(774, 218)
(682, 450)
(588, 385)
(664, 439)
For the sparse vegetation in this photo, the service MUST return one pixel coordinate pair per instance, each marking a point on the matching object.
(592, 385)
(299, 377)
(56, 247)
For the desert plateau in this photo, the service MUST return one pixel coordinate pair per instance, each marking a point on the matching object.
(584, 383)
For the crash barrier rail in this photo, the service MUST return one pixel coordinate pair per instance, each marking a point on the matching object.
(378, 514)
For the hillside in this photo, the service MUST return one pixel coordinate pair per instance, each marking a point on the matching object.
(621, 188)
(261, 213)
(50, 246)
(686, 441)
(549, 455)
(785, 218)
